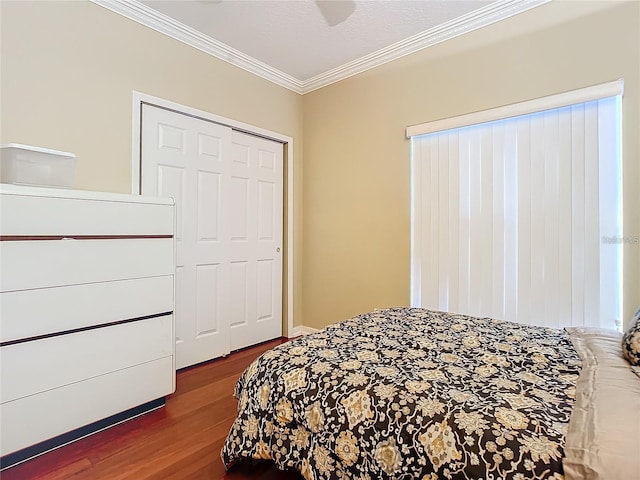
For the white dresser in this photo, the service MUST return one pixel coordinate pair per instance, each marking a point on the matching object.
(86, 313)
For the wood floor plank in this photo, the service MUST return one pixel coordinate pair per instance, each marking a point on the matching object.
(180, 441)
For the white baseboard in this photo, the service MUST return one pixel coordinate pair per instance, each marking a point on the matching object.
(302, 330)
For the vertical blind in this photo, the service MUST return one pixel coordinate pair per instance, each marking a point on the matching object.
(514, 219)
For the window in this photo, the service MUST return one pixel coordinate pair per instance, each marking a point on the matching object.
(514, 209)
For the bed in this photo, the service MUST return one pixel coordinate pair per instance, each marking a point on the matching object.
(408, 393)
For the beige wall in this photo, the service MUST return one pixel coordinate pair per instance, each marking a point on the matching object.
(68, 72)
(357, 176)
(68, 69)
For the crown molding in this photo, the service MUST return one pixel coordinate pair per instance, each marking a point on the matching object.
(482, 17)
(139, 12)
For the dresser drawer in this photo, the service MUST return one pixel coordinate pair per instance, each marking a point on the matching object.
(60, 214)
(54, 412)
(33, 367)
(53, 263)
(30, 313)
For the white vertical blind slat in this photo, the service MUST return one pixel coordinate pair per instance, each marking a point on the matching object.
(507, 218)
(430, 279)
(609, 176)
(551, 232)
(463, 219)
(486, 227)
(564, 215)
(537, 233)
(592, 225)
(443, 222)
(454, 224)
(499, 232)
(476, 247)
(511, 221)
(434, 266)
(416, 221)
(425, 218)
(578, 258)
(524, 220)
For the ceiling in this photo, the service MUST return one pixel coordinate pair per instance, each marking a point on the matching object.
(307, 44)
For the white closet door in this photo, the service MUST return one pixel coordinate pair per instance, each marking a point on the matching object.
(228, 194)
(256, 240)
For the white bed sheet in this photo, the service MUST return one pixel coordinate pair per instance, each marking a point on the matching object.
(603, 437)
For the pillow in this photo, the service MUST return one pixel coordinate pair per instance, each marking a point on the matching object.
(631, 341)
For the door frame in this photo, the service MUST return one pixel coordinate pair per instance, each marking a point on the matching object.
(136, 163)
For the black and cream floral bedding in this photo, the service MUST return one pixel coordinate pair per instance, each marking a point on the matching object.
(411, 394)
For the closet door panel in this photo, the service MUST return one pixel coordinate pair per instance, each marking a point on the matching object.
(188, 159)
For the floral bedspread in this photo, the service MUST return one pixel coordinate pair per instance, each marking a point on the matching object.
(409, 393)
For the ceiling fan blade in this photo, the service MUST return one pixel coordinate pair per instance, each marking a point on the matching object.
(336, 11)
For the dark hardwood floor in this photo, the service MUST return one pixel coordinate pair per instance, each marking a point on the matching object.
(180, 441)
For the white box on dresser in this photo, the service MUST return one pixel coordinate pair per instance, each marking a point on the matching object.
(86, 313)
